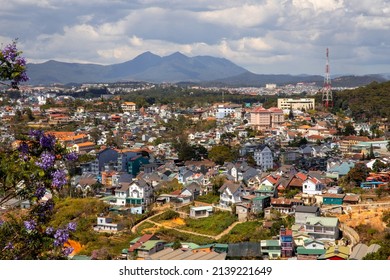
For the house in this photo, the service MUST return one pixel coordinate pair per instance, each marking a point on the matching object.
(271, 248)
(338, 170)
(285, 205)
(121, 194)
(286, 242)
(266, 190)
(337, 252)
(105, 224)
(259, 203)
(312, 186)
(230, 193)
(242, 211)
(140, 193)
(128, 107)
(192, 190)
(200, 212)
(302, 212)
(83, 148)
(309, 254)
(322, 228)
(263, 157)
(332, 199)
(142, 247)
(351, 198)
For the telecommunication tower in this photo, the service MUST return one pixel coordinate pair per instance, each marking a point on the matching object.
(327, 97)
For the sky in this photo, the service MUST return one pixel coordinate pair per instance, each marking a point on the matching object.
(263, 36)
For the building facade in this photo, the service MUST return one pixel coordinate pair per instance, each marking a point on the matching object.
(296, 103)
(262, 119)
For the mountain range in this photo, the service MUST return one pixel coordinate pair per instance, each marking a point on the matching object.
(174, 68)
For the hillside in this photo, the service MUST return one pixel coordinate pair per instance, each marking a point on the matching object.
(366, 103)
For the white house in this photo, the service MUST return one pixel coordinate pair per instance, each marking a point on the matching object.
(105, 224)
(312, 186)
(263, 157)
(201, 211)
(121, 194)
(230, 193)
(140, 193)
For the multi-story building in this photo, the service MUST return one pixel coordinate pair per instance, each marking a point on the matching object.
(263, 157)
(262, 119)
(286, 242)
(296, 103)
(128, 107)
(322, 228)
(227, 109)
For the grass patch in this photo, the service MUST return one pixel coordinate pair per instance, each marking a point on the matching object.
(252, 231)
(208, 198)
(166, 216)
(212, 225)
(171, 235)
(142, 229)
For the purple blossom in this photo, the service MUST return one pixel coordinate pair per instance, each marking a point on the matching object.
(36, 134)
(67, 251)
(72, 226)
(40, 192)
(61, 236)
(49, 230)
(10, 52)
(72, 156)
(59, 178)
(1, 222)
(23, 148)
(47, 141)
(46, 160)
(30, 225)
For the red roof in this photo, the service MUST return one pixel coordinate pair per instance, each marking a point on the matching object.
(140, 241)
(301, 176)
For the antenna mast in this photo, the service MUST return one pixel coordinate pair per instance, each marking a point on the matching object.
(327, 97)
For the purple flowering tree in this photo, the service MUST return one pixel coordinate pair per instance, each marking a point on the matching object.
(35, 172)
(12, 66)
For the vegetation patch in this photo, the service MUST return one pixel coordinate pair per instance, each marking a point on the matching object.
(208, 198)
(171, 235)
(252, 231)
(212, 225)
(165, 216)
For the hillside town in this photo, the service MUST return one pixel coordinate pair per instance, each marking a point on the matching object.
(289, 181)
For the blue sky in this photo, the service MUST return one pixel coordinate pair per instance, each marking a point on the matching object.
(263, 36)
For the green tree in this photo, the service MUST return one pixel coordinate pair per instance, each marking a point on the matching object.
(379, 166)
(222, 153)
(357, 174)
(349, 129)
(217, 182)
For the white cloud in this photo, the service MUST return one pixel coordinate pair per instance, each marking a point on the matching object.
(241, 16)
(262, 35)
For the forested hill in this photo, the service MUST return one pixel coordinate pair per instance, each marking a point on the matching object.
(366, 103)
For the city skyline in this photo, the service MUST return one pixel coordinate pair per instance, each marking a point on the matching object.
(265, 37)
